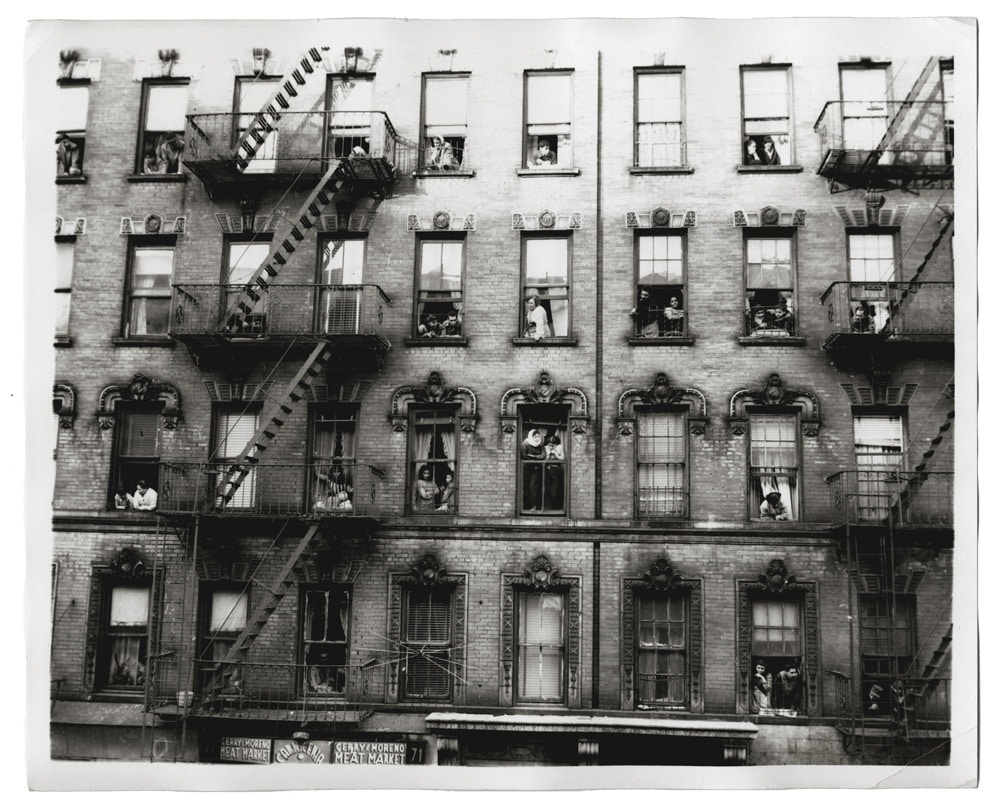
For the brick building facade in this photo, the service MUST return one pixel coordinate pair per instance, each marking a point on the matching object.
(260, 249)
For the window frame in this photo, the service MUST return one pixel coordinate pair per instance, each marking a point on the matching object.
(876, 493)
(759, 321)
(663, 290)
(340, 306)
(787, 414)
(525, 287)
(132, 294)
(65, 267)
(107, 636)
(680, 412)
(78, 136)
(315, 685)
(847, 67)
(436, 415)
(759, 137)
(521, 646)
(421, 297)
(247, 497)
(209, 640)
(774, 663)
(655, 597)
(557, 416)
(264, 164)
(560, 166)
(149, 464)
(460, 152)
(682, 162)
(880, 667)
(876, 294)
(358, 134)
(333, 412)
(427, 644)
(145, 103)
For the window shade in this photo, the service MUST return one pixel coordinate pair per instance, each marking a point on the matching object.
(878, 430)
(140, 434)
(229, 611)
(129, 607)
(234, 433)
(166, 108)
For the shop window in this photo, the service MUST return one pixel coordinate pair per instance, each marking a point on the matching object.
(659, 118)
(251, 95)
(325, 636)
(774, 467)
(661, 653)
(234, 428)
(544, 459)
(71, 136)
(122, 642)
(541, 646)
(350, 104)
(243, 259)
(878, 449)
(445, 121)
(769, 302)
(427, 644)
(660, 287)
(65, 257)
(440, 305)
(871, 260)
(887, 648)
(661, 464)
(548, 141)
(161, 129)
(545, 262)
(864, 91)
(150, 272)
(766, 101)
(332, 461)
(341, 294)
(434, 462)
(776, 649)
(137, 452)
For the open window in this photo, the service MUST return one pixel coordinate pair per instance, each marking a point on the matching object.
(545, 261)
(440, 309)
(137, 450)
(161, 129)
(659, 117)
(774, 467)
(122, 652)
(767, 134)
(445, 121)
(776, 648)
(326, 629)
(871, 260)
(333, 470)
(660, 309)
(544, 459)
(65, 258)
(434, 461)
(341, 295)
(548, 137)
(888, 629)
(71, 135)
(769, 299)
(243, 258)
(150, 271)
(349, 105)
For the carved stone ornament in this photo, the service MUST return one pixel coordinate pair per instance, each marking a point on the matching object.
(659, 218)
(440, 221)
(546, 219)
(437, 392)
(141, 388)
(428, 571)
(769, 216)
(127, 563)
(541, 575)
(661, 394)
(545, 391)
(660, 577)
(153, 224)
(64, 404)
(776, 578)
(772, 395)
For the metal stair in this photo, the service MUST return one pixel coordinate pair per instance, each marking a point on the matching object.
(913, 284)
(901, 114)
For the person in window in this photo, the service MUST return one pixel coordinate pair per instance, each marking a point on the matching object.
(424, 491)
(647, 318)
(861, 321)
(440, 156)
(445, 499)
(452, 325)
(533, 451)
(780, 316)
(430, 327)
(67, 155)
(772, 508)
(339, 492)
(770, 156)
(673, 317)
(168, 153)
(122, 499)
(544, 157)
(761, 687)
(144, 497)
(788, 688)
(538, 321)
(554, 458)
(750, 154)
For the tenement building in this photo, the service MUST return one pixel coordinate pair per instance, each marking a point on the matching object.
(465, 393)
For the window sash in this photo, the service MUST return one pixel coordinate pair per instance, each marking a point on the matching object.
(441, 267)
(342, 261)
(334, 435)
(872, 257)
(71, 110)
(769, 263)
(661, 639)
(228, 612)
(140, 435)
(550, 99)
(661, 457)
(661, 260)
(446, 103)
(166, 107)
(776, 629)
(427, 637)
(541, 646)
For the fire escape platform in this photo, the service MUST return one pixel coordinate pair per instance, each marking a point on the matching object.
(223, 350)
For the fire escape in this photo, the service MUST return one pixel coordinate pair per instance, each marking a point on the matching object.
(895, 698)
(331, 333)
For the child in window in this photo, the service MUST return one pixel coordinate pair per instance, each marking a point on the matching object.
(446, 493)
(772, 508)
(544, 156)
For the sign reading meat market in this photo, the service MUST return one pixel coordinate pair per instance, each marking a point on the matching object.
(369, 752)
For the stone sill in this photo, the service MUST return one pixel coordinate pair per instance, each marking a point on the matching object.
(555, 341)
(81, 179)
(424, 174)
(143, 341)
(769, 169)
(660, 341)
(672, 169)
(548, 171)
(772, 341)
(437, 341)
(63, 341)
(154, 178)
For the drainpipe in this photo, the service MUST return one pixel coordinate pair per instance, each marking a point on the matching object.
(598, 395)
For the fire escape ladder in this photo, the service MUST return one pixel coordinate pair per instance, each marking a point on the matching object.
(899, 305)
(266, 120)
(932, 670)
(902, 113)
(240, 469)
(920, 473)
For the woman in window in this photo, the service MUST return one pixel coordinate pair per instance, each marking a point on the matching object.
(750, 155)
(424, 491)
(532, 454)
(538, 320)
(771, 156)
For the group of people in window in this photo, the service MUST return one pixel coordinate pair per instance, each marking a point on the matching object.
(543, 470)
(441, 319)
(658, 312)
(776, 685)
(144, 498)
(760, 151)
(336, 491)
(768, 310)
(443, 154)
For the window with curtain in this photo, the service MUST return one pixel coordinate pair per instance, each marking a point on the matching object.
(661, 464)
(767, 138)
(225, 615)
(251, 95)
(332, 461)
(164, 106)
(871, 260)
(659, 118)
(65, 257)
(234, 428)
(544, 457)
(71, 136)
(776, 645)
(123, 639)
(433, 462)
(888, 627)
(546, 284)
(541, 646)
(150, 271)
(661, 657)
(548, 141)
(774, 466)
(350, 104)
(439, 288)
(660, 291)
(341, 274)
(427, 643)
(445, 116)
(325, 636)
(878, 450)
(137, 449)
(243, 258)
(770, 286)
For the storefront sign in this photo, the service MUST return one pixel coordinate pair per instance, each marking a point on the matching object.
(370, 753)
(299, 751)
(248, 750)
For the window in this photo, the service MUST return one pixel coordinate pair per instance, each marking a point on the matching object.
(661, 459)
(887, 648)
(864, 91)
(948, 99)
(660, 290)
(439, 288)
(150, 273)
(774, 467)
(661, 668)
(871, 259)
(434, 463)
(234, 428)
(427, 644)
(137, 448)
(161, 133)
(325, 633)
(225, 612)
(243, 258)
(341, 272)
(122, 646)
(445, 115)
(659, 118)
(770, 287)
(548, 120)
(251, 95)
(544, 456)
(71, 137)
(541, 646)
(546, 262)
(349, 101)
(878, 449)
(333, 469)
(65, 256)
(766, 131)
(776, 647)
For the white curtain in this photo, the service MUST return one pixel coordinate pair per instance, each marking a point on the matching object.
(448, 441)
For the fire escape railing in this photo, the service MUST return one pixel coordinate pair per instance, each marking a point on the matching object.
(878, 308)
(906, 498)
